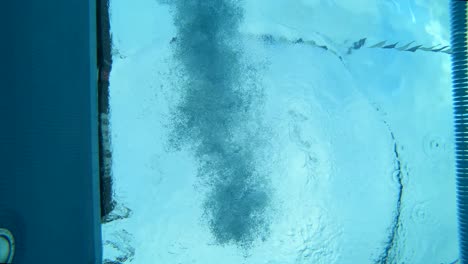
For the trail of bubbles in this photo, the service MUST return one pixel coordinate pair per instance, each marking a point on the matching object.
(212, 118)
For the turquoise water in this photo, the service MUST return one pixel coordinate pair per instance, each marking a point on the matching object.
(282, 132)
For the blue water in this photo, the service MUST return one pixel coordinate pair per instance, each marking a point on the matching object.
(270, 132)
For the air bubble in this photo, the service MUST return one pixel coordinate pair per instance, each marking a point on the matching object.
(434, 146)
(419, 212)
